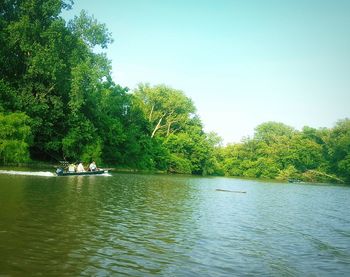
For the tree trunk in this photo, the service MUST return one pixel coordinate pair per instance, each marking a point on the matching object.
(168, 131)
(157, 127)
(327, 175)
(150, 114)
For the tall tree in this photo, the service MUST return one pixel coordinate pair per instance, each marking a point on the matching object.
(167, 109)
(37, 67)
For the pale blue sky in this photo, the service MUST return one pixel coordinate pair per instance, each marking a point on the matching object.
(243, 62)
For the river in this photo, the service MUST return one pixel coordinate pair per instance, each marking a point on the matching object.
(158, 225)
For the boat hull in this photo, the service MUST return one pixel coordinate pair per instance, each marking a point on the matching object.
(85, 173)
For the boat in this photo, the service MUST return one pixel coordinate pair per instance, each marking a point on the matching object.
(60, 172)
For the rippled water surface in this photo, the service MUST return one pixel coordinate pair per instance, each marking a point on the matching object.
(144, 225)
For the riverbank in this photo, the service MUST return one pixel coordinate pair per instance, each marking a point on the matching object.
(310, 176)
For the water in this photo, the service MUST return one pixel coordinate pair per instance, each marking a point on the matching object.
(146, 225)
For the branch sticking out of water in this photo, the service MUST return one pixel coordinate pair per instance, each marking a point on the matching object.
(235, 191)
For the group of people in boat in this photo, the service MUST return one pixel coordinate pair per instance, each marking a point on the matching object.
(79, 167)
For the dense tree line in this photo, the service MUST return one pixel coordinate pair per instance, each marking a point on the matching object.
(278, 151)
(58, 101)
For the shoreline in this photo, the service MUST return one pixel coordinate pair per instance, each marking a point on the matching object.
(53, 166)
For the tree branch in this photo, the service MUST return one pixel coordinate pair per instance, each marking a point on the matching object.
(150, 114)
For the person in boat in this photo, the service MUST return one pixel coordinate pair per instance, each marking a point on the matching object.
(72, 168)
(93, 166)
(80, 167)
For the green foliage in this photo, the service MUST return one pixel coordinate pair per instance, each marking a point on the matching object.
(78, 138)
(7, 97)
(278, 151)
(92, 152)
(288, 173)
(178, 164)
(270, 132)
(339, 149)
(167, 110)
(90, 30)
(15, 137)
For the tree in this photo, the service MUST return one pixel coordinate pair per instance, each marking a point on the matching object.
(269, 132)
(167, 109)
(36, 54)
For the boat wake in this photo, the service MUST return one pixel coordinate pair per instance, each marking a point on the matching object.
(28, 173)
(106, 174)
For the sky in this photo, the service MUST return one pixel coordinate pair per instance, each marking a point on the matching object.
(242, 62)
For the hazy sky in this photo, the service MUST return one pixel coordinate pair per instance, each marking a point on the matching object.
(243, 62)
